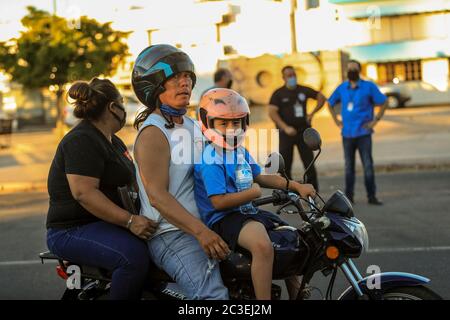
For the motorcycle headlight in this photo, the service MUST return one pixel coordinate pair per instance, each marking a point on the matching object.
(359, 230)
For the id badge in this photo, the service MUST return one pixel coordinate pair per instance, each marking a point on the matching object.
(298, 108)
(350, 106)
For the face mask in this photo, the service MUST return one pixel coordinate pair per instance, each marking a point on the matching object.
(353, 75)
(229, 84)
(122, 121)
(234, 137)
(291, 82)
(233, 133)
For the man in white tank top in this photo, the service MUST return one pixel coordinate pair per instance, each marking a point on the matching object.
(163, 78)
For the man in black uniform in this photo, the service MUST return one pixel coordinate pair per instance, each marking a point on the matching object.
(288, 110)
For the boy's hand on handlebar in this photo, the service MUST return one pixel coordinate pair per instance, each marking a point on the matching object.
(213, 244)
(143, 227)
(256, 189)
(306, 190)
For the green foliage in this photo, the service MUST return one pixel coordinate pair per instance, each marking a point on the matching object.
(55, 51)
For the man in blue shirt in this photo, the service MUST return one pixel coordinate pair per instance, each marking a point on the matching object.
(358, 98)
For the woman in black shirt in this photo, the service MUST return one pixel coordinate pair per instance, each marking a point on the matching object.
(86, 222)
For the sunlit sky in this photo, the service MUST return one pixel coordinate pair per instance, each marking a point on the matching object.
(261, 26)
(178, 21)
(121, 12)
(193, 26)
(101, 10)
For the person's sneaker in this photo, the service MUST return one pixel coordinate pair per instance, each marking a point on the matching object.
(375, 201)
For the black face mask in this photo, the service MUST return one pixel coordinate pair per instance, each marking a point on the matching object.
(122, 121)
(229, 84)
(353, 75)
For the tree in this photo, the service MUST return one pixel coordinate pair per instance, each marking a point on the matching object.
(52, 51)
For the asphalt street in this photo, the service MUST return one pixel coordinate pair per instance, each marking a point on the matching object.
(409, 233)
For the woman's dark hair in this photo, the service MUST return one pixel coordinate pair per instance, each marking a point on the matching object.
(91, 99)
(143, 115)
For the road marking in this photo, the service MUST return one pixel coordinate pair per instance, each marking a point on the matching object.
(375, 250)
(411, 249)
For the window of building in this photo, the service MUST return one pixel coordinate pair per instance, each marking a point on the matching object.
(399, 71)
(409, 27)
(311, 4)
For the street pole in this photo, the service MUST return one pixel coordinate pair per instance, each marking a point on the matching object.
(293, 31)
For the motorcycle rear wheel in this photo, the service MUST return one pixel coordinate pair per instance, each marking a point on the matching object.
(74, 295)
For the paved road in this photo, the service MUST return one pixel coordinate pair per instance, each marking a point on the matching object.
(409, 233)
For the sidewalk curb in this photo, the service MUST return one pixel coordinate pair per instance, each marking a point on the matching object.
(386, 168)
(13, 187)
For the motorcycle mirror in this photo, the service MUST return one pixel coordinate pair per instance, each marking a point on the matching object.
(275, 163)
(312, 139)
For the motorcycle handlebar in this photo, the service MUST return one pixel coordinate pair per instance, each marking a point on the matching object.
(263, 201)
(277, 198)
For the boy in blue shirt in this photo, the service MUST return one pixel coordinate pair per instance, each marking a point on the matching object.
(224, 186)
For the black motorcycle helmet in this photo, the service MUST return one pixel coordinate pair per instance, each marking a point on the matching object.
(153, 67)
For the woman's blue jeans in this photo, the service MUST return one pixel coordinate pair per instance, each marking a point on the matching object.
(104, 245)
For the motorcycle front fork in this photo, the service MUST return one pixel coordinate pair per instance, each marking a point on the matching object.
(351, 273)
(353, 276)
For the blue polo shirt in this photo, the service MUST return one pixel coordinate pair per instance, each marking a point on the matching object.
(216, 175)
(357, 106)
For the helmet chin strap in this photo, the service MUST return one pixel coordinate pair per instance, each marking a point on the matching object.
(170, 124)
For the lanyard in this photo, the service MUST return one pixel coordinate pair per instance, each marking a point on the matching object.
(351, 94)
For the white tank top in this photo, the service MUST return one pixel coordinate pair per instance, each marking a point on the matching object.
(185, 148)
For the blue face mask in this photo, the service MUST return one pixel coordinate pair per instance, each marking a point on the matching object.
(168, 110)
(291, 82)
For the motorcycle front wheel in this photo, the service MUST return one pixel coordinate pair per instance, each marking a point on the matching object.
(411, 293)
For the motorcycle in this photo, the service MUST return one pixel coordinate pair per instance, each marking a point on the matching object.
(327, 240)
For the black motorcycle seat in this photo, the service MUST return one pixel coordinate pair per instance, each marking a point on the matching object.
(155, 274)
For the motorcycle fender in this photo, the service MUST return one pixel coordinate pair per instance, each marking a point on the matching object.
(386, 281)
